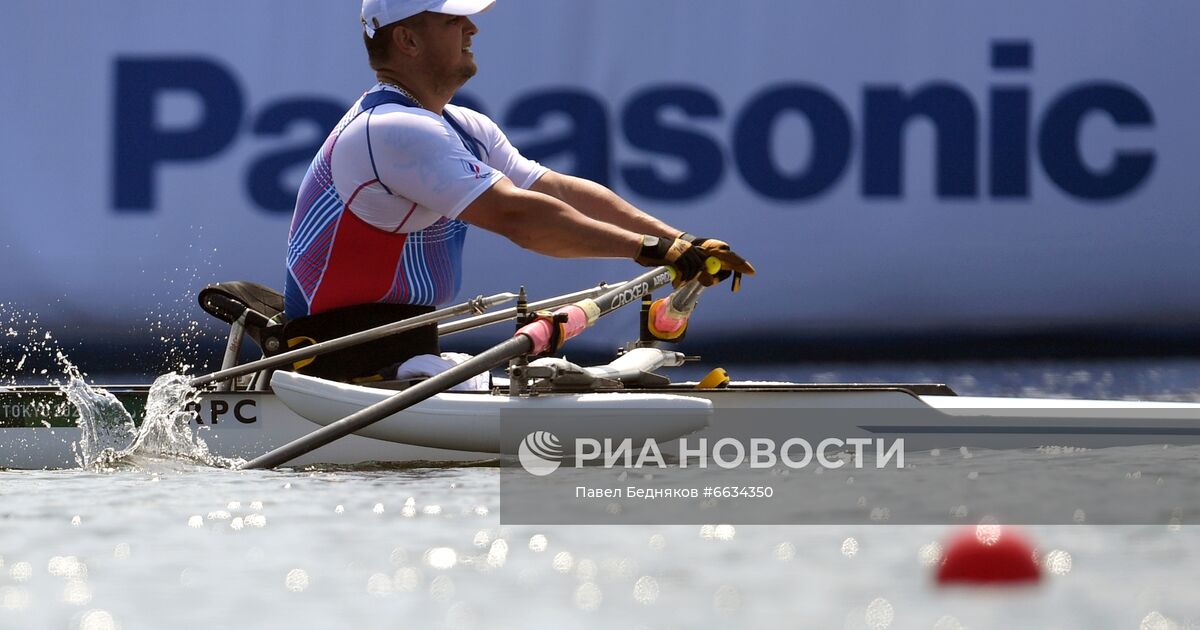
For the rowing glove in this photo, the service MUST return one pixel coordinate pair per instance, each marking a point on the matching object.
(680, 255)
(731, 263)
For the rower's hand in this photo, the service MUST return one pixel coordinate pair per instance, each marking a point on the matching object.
(686, 259)
(730, 262)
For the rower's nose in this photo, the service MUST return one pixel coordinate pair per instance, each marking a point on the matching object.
(470, 28)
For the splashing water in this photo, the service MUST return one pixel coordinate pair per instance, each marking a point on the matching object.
(105, 426)
(110, 438)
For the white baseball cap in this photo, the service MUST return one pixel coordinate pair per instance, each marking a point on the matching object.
(377, 14)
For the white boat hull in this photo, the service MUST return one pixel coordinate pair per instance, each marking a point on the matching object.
(37, 426)
(472, 421)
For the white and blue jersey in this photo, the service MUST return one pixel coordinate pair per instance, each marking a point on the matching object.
(375, 218)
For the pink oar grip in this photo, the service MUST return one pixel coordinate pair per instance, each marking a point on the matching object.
(541, 331)
(668, 320)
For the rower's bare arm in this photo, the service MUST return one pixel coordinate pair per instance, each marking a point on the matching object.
(545, 224)
(602, 204)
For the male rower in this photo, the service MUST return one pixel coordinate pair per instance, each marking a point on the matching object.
(381, 216)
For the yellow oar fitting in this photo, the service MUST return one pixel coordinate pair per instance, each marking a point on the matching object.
(715, 379)
(657, 306)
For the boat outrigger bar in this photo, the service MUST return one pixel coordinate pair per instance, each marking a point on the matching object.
(532, 338)
(477, 305)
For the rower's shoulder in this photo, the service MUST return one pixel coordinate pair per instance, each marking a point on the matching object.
(471, 119)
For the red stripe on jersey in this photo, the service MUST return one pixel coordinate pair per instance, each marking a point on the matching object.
(361, 267)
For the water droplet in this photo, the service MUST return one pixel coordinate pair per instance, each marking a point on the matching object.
(441, 589)
(879, 614)
(196, 521)
(1156, 621)
(21, 572)
(256, 520)
(75, 520)
(378, 509)
(498, 554)
(563, 562)
(296, 581)
(67, 567)
(1058, 562)
(14, 598)
(122, 551)
(930, 554)
(586, 570)
(98, 620)
(987, 533)
(406, 579)
(538, 543)
(339, 509)
(645, 590)
(588, 597)
(657, 542)
(379, 585)
(441, 558)
(237, 524)
(724, 532)
(785, 551)
(849, 547)
(76, 593)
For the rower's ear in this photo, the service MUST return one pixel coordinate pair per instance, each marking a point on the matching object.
(405, 41)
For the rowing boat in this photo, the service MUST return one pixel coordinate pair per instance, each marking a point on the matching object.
(630, 397)
(38, 426)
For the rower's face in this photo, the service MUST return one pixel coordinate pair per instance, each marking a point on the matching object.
(447, 45)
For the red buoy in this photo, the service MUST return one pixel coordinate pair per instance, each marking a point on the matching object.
(988, 555)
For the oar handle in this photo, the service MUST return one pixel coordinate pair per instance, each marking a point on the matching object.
(573, 319)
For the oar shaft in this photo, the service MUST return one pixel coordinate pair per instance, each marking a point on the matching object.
(468, 323)
(634, 290)
(495, 356)
(292, 356)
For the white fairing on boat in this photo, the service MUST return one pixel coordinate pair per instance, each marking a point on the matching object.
(951, 403)
(471, 421)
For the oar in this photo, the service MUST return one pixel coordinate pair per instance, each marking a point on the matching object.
(478, 321)
(477, 305)
(533, 338)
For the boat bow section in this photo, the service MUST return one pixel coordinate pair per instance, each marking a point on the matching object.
(472, 421)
